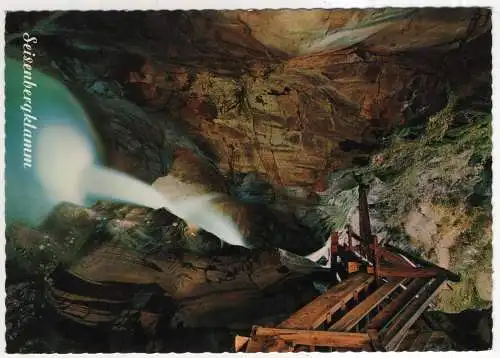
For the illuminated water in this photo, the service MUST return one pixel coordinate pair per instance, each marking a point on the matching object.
(81, 177)
(67, 166)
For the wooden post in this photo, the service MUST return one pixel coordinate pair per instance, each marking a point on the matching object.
(349, 237)
(365, 230)
(334, 240)
(364, 216)
(376, 260)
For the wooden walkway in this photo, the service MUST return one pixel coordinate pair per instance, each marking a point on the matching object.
(378, 322)
(372, 310)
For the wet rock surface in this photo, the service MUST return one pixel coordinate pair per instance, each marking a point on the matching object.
(470, 329)
(134, 271)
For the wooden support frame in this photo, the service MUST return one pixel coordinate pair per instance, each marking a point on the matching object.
(392, 314)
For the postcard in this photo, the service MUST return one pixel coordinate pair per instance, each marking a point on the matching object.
(273, 180)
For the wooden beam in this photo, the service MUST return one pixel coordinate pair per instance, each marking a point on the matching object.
(393, 258)
(396, 331)
(396, 304)
(317, 338)
(376, 260)
(451, 276)
(353, 266)
(408, 272)
(354, 316)
(334, 252)
(357, 237)
(321, 308)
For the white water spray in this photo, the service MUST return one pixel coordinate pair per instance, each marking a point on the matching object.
(108, 183)
(62, 156)
(68, 170)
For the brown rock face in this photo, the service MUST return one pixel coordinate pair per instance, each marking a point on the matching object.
(301, 82)
(289, 94)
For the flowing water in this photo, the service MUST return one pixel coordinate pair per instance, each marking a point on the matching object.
(69, 172)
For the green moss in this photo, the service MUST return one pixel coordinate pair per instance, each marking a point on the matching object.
(443, 166)
(463, 295)
(447, 164)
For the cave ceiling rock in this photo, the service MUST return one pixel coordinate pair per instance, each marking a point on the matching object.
(272, 92)
(282, 88)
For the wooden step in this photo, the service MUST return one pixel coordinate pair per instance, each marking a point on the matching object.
(397, 303)
(323, 307)
(295, 337)
(398, 327)
(351, 319)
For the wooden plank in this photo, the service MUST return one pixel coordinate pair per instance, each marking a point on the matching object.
(317, 338)
(397, 303)
(408, 272)
(398, 328)
(354, 316)
(320, 309)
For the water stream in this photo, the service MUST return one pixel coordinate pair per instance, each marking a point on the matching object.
(69, 172)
